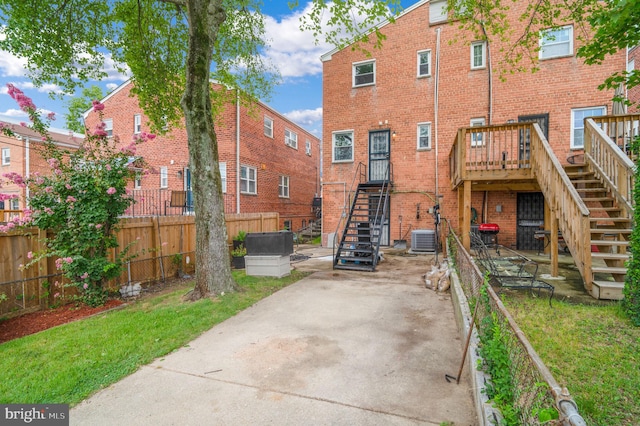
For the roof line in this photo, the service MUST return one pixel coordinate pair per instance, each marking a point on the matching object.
(327, 56)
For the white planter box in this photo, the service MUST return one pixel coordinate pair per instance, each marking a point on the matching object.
(268, 266)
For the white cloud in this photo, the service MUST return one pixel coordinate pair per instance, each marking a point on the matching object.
(291, 50)
(111, 86)
(305, 117)
(45, 88)
(11, 65)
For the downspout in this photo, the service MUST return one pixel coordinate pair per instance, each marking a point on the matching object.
(435, 106)
(237, 151)
(485, 201)
(27, 160)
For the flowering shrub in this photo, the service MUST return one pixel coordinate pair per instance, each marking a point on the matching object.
(79, 202)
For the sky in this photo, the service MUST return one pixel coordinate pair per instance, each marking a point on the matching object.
(293, 52)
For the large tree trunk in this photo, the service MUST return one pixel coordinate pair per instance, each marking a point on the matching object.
(213, 266)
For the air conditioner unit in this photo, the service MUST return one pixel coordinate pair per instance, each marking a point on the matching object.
(423, 240)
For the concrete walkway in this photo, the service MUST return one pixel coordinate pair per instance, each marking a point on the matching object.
(336, 348)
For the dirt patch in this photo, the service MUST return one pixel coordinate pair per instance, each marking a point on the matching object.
(35, 322)
(42, 320)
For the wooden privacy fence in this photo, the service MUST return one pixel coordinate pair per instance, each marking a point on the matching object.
(157, 246)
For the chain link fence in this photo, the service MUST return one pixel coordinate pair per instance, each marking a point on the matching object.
(535, 393)
(32, 294)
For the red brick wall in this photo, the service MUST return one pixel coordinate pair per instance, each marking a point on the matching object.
(270, 156)
(401, 100)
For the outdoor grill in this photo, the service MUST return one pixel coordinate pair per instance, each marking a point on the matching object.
(489, 233)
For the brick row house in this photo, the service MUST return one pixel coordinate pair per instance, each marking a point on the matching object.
(267, 163)
(426, 121)
(21, 155)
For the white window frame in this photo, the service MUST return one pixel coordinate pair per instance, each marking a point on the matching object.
(137, 181)
(574, 128)
(223, 176)
(477, 139)
(268, 126)
(290, 138)
(419, 147)
(307, 148)
(108, 126)
(6, 156)
(333, 145)
(437, 11)
(248, 180)
(421, 53)
(554, 43)
(483, 46)
(14, 204)
(164, 177)
(354, 68)
(283, 186)
(137, 124)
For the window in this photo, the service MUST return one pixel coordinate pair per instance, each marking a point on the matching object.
(477, 139)
(342, 146)
(424, 135)
(287, 225)
(308, 147)
(223, 176)
(283, 187)
(137, 124)
(424, 63)
(108, 126)
(437, 11)
(137, 182)
(364, 73)
(14, 204)
(164, 177)
(478, 55)
(577, 123)
(555, 43)
(291, 138)
(268, 127)
(6, 156)
(248, 180)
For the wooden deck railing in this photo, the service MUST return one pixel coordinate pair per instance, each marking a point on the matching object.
(499, 152)
(608, 160)
(621, 129)
(564, 201)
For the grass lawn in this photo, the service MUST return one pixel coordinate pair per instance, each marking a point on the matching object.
(68, 363)
(592, 350)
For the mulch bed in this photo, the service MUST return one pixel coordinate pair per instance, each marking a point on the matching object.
(35, 322)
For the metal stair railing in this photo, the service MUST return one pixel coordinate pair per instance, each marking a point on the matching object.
(358, 177)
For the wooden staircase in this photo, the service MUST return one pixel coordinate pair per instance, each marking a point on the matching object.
(359, 245)
(610, 227)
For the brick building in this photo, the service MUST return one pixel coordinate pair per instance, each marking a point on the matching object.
(426, 83)
(269, 164)
(21, 155)
(408, 103)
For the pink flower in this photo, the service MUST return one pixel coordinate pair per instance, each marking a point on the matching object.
(51, 116)
(25, 103)
(111, 191)
(30, 255)
(56, 295)
(68, 186)
(71, 199)
(68, 259)
(53, 162)
(85, 286)
(48, 189)
(84, 276)
(98, 226)
(98, 106)
(47, 210)
(108, 167)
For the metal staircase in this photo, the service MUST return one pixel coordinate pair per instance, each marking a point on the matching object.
(359, 245)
